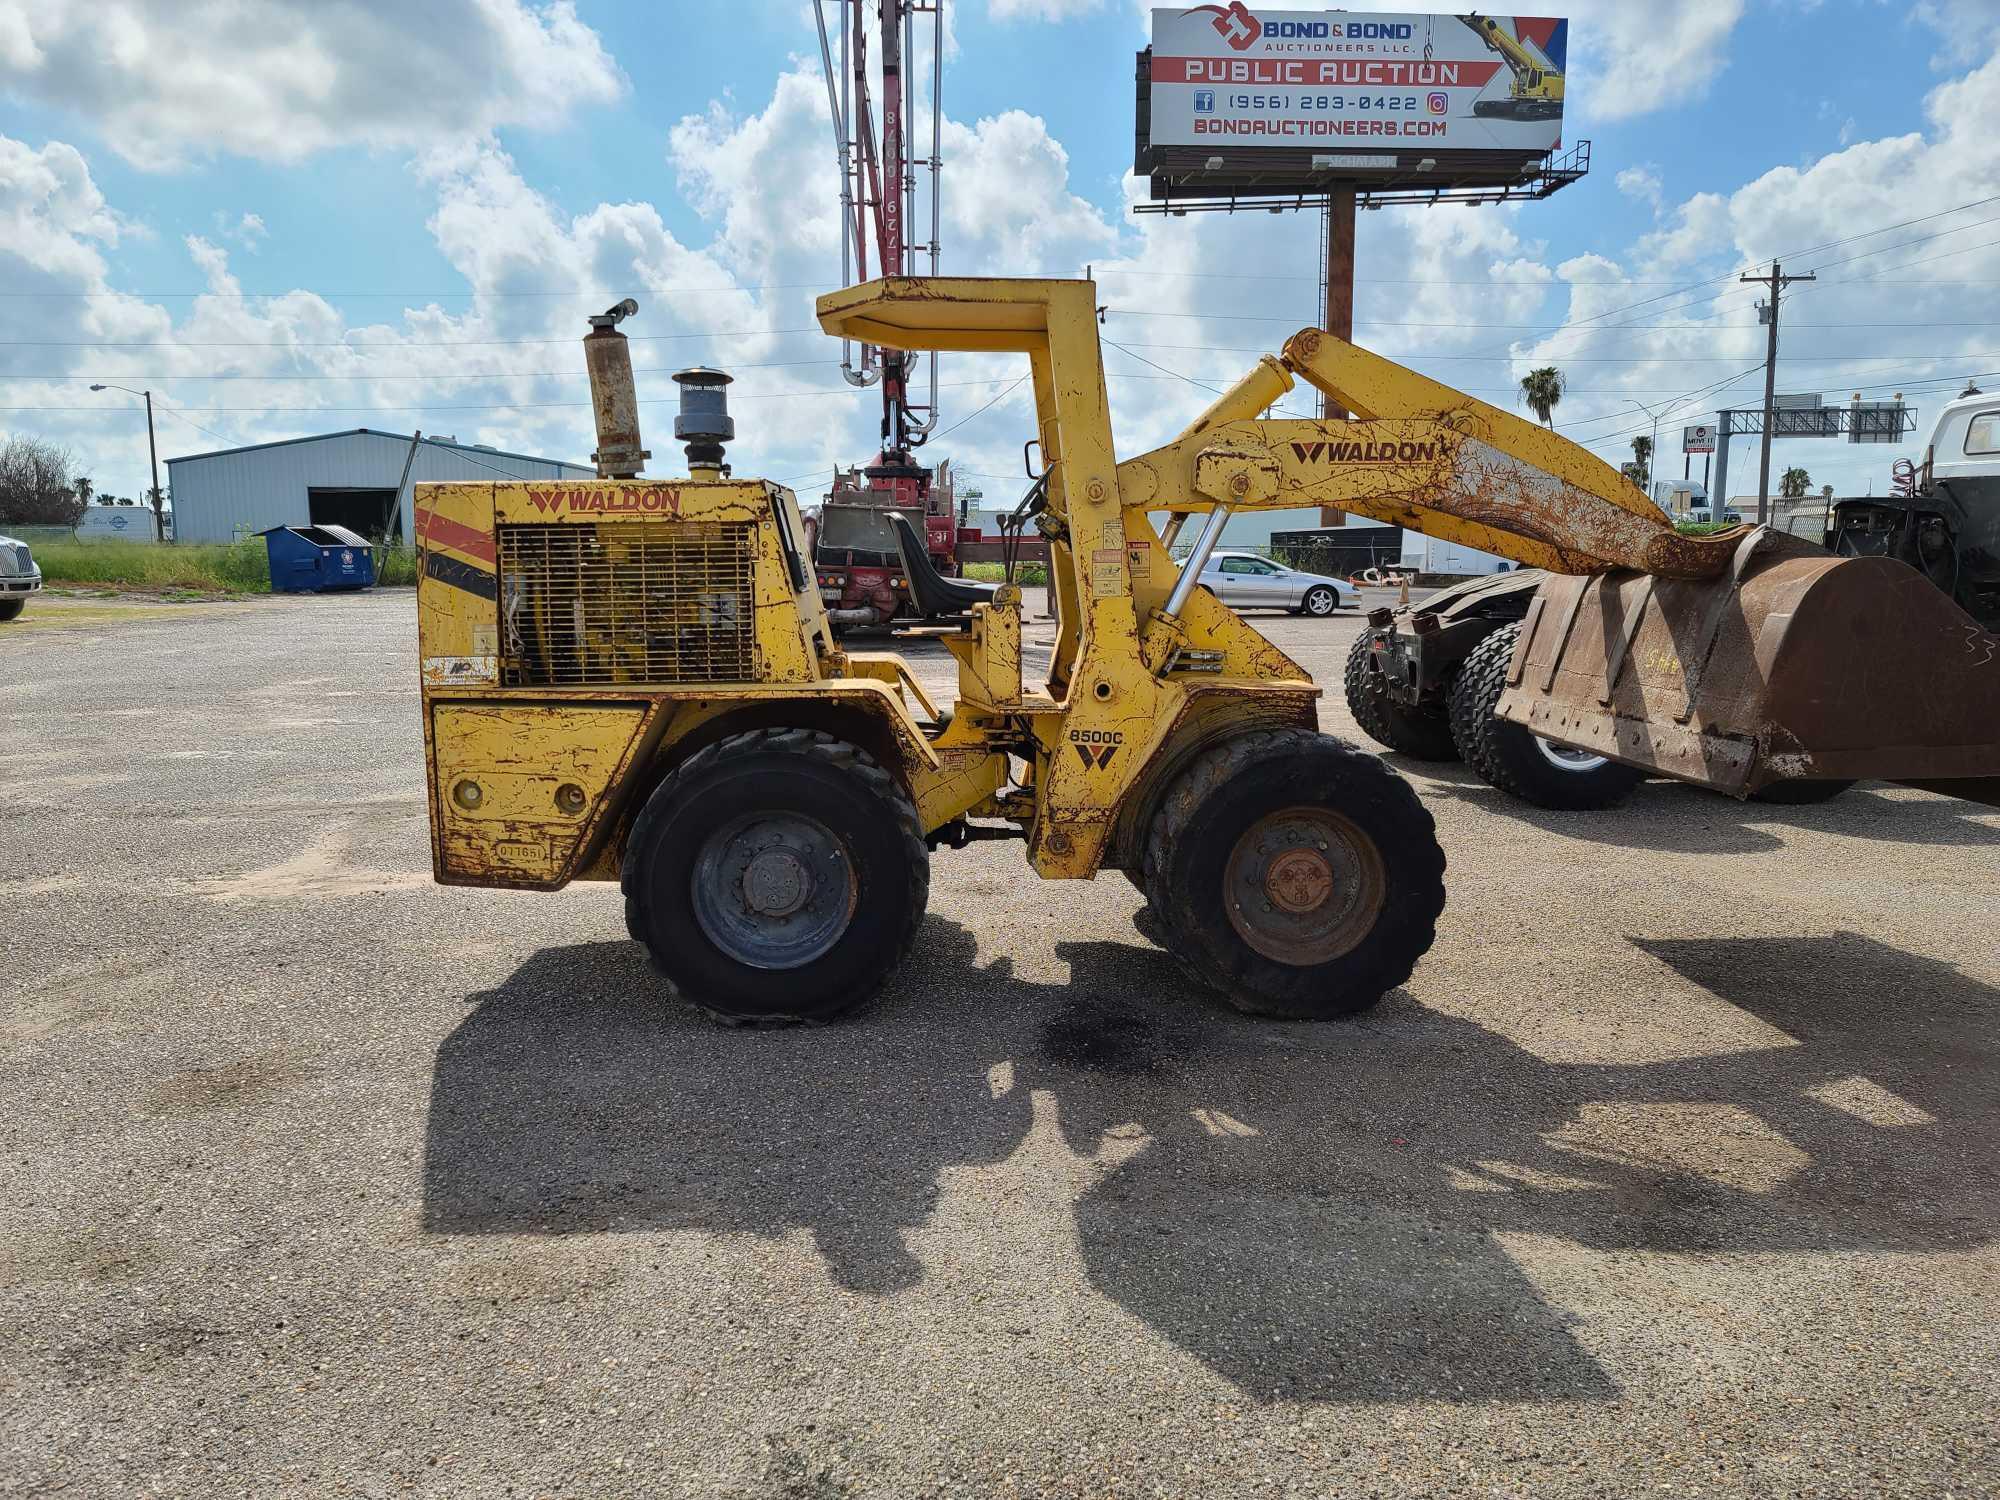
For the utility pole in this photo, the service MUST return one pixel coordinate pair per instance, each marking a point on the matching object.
(152, 453)
(1777, 281)
(153, 456)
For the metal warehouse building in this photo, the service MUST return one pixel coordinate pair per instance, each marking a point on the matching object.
(353, 479)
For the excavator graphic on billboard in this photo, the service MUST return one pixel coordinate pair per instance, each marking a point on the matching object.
(1535, 56)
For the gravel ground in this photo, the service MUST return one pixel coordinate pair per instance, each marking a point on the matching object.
(1671, 1170)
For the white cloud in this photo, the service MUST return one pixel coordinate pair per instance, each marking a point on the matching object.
(1641, 184)
(1041, 10)
(247, 229)
(1967, 29)
(1627, 59)
(281, 79)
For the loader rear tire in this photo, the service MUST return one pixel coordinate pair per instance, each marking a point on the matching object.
(1299, 876)
(777, 876)
(1519, 763)
(1419, 735)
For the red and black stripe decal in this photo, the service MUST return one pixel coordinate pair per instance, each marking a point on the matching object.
(434, 530)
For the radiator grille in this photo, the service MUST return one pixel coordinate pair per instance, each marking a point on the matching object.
(644, 602)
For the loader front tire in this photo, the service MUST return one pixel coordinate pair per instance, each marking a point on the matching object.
(1519, 763)
(1297, 875)
(1419, 735)
(777, 876)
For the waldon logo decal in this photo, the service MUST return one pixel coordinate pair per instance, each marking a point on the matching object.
(1364, 453)
(1095, 747)
(653, 499)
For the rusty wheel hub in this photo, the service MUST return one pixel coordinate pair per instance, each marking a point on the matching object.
(1304, 885)
(1299, 880)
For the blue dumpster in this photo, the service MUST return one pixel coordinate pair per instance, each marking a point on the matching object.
(313, 559)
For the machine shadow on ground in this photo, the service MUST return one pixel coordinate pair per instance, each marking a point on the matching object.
(1673, 818)
(1314, 1209)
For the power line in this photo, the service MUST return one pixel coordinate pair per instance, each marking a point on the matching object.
(987, 407)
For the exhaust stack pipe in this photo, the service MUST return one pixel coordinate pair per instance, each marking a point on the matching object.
(704, 423)
(614, 399)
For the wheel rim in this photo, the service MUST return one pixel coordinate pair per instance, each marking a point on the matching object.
(1563, 758)
(1319, 602)
(773, 890)
(1304, 885)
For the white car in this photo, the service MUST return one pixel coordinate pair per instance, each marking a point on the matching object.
(19, 577)
(1243, 580)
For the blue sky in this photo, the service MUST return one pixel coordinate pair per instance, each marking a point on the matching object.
(454, 185)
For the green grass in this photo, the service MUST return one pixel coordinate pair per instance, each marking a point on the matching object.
(234, 568)
(1704, 528)
(1032, 574)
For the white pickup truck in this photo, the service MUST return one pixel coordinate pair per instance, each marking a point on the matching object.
(19, 577)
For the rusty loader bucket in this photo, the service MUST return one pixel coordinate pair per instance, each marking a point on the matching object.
(1791, 665)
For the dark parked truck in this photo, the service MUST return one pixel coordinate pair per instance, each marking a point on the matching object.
(1945, 520)
(1425, 680)
(862, 580)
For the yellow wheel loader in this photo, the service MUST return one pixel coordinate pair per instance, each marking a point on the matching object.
(633, 679)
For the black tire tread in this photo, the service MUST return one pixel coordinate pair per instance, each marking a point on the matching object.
(1168, 925)
(1419, 736)
(816, 745)
(1492, 746)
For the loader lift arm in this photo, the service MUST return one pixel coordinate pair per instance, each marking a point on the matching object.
(1427, 457)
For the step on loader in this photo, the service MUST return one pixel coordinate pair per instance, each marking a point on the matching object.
(633, 679)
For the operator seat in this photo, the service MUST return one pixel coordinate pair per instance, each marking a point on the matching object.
(930, 590)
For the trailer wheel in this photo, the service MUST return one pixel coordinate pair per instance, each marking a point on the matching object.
(777, 876)
(1522, 764)
(1297, 875)
(1418, 734)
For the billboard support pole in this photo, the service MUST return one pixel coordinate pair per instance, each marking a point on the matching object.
(1337, 313)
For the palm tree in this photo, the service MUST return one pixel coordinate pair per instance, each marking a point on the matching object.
(1794, 483)
(1642, 459)
(1543, 391)
(83, 488)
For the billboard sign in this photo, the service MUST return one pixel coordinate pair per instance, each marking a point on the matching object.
(1801, 420)
(1698, 439)
(1231, 76)
(1876, 422)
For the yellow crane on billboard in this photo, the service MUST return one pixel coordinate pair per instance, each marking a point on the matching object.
(1537, 89)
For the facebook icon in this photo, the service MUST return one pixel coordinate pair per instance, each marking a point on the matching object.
(1204, 101)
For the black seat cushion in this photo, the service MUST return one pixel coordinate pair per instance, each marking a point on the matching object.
(934, 593)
